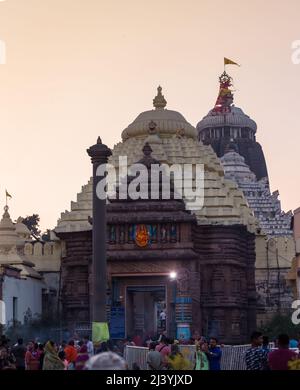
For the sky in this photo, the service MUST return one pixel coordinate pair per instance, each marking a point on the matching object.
(76, 69)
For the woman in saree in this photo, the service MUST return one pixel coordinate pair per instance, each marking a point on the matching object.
(201, 358)
(51, 359)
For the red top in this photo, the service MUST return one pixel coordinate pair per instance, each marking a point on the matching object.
(32, 360)
(278, 359)
(165, 351)
(71, 353)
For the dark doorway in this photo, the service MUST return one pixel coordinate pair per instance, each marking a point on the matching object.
(144, 305)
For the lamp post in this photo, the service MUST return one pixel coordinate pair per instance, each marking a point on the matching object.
(99, 154)
(173, 279)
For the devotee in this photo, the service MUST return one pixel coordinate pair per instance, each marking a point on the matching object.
(154, 359)
(82, 358)
(163, 319)
(89, 345)
(214, 355)
(19, 351)
(71, 354)
(103, 347)
(265, 344)
(279, 358)
(293, 343)
(255, 356)
(51, 359)
(62, 356)
(7, 360)
(164, 349)
(201, 356)
(41, 354)
(32, 358)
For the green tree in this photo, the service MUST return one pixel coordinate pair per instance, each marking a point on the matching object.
(281, 324)
(32, 222)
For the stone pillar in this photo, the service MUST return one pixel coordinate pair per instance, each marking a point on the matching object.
(99, 154)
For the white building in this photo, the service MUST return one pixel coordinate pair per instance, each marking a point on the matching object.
(20, 284)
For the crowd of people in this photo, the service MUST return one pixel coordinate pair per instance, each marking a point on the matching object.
(164, 354)
(260, 357)
(74, 355)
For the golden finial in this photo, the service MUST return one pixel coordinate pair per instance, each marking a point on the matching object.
(159, 102)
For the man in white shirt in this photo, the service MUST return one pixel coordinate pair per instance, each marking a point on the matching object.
(163, 318)
(89, 345)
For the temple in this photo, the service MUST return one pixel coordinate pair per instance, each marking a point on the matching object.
(232, 134)
(211, 248)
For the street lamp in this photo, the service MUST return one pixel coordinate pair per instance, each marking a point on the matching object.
(173, 279)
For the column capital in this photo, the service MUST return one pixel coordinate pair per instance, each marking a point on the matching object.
(99, 152)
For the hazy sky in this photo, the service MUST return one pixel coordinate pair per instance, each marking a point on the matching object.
(77, 69)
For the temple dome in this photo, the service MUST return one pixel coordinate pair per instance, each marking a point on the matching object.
(173, 141)
(159, 121)
(235, 167)
(8, 235)
(235, 118)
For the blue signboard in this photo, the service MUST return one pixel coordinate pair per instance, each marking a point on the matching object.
(117, 323)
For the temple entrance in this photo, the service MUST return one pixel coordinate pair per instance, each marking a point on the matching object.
(144, 308)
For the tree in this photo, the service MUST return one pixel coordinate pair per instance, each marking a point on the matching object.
(32, 222)
(281, 324)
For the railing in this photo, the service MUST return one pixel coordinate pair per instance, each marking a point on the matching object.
(232, 356)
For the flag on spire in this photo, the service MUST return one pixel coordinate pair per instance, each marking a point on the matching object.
(8, 196)
(227, 61)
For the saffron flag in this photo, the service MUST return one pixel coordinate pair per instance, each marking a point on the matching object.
(227, 61)
(100, 332)
(7, 194)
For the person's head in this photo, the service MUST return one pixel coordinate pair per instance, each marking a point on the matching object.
(4, 341)
(204, 346)
(83, 348)
(283, 341)
(256, 339)
(20, 341)
(71, 342)
(86, 339)
(265, 341)
(164, 340)
(41, 347)
(62, 355)
(213, 342)
(152, 346)
(80, 343)
(106, 361)
(52, 343)
(30, 346)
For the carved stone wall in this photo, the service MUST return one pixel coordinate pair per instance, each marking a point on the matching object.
(228, 297)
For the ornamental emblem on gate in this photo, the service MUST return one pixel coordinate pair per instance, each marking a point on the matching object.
(142, 236)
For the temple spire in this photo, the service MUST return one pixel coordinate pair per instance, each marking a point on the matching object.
(225, 98)
(6, 213)
(159, 102)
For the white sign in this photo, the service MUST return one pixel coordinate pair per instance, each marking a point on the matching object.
(2, 313)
